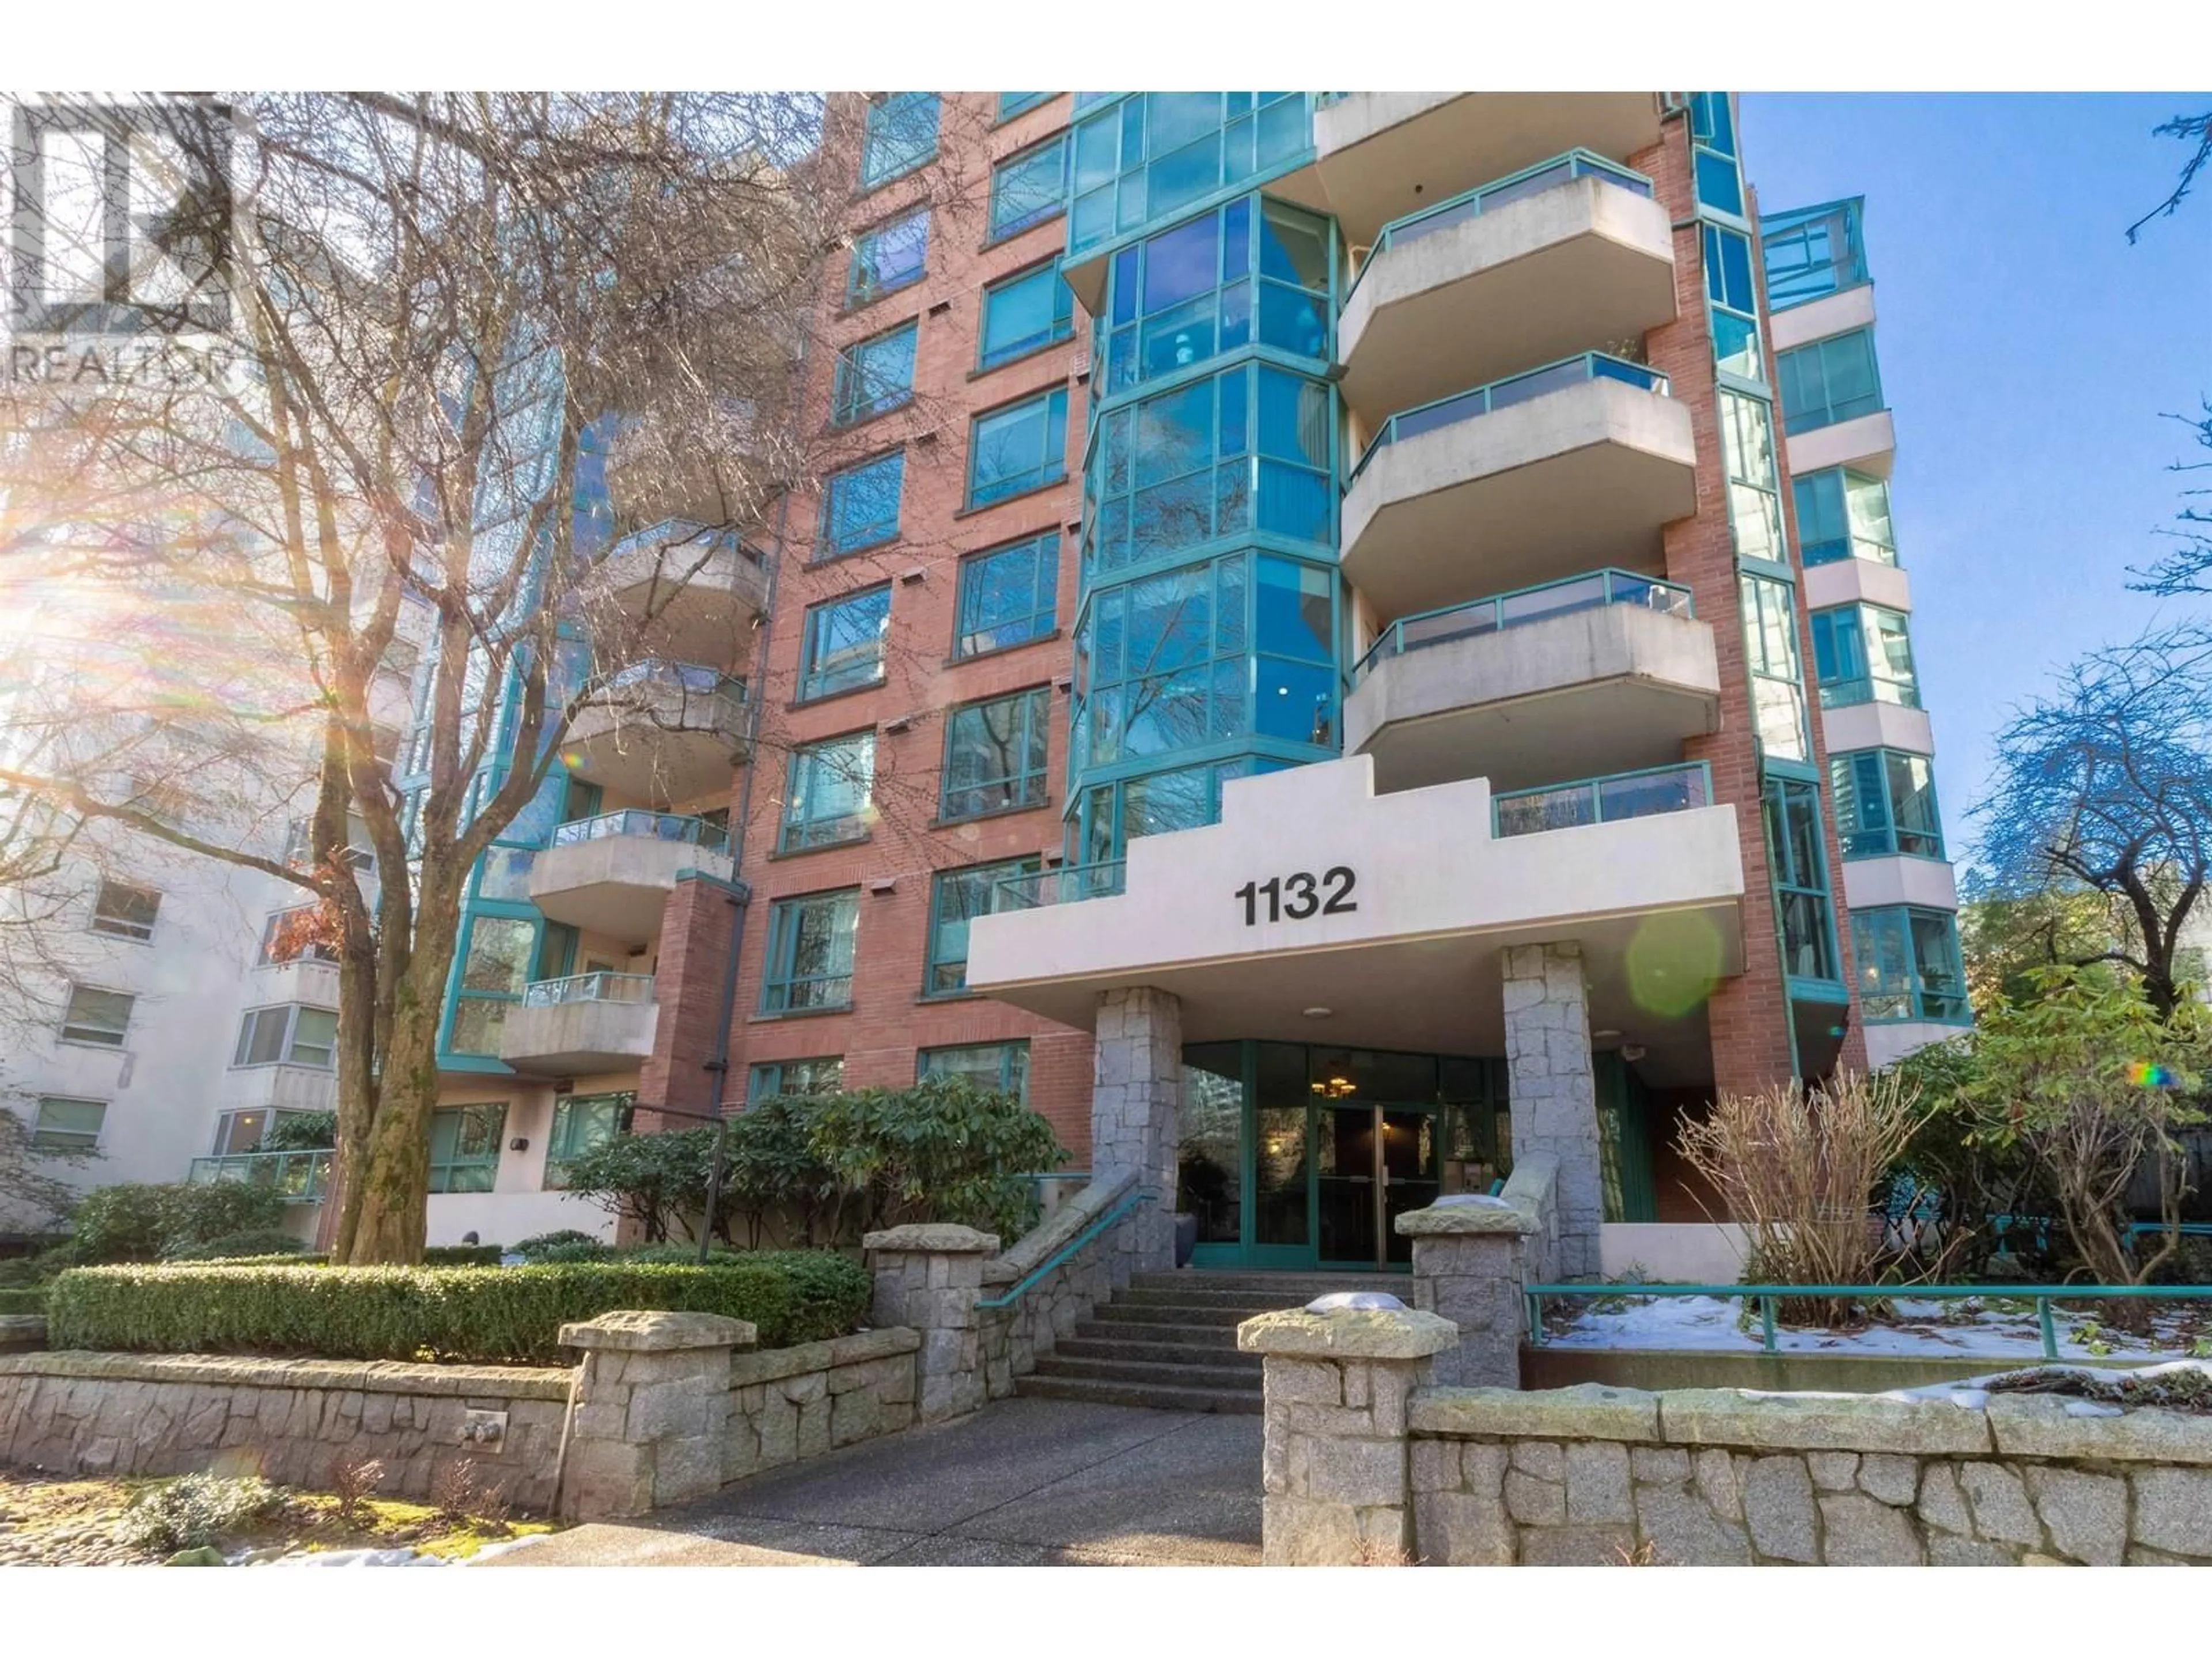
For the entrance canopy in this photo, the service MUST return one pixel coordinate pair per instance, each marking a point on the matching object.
(1319, 911)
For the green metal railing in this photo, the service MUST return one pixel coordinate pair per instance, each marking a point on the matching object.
(1489, 398)
(1767, 1295)
(644, 825)
(1676, 788)
(1525, 605)
(301, 1177)
(1097, 1225)
(1487, 198)
(588, 988)
(1065, 885)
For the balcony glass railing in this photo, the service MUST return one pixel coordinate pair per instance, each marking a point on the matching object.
(1903, 690)
(689, 677)
(1504, 394)
(1488, 198)
(1527, 605)
(588, 988)
(682, 536)
(1812, 253)
(1603, 800)
(299, 1177)
(1067, 885)
(644, 825)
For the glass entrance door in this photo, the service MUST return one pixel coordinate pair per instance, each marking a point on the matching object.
(1373, 1163)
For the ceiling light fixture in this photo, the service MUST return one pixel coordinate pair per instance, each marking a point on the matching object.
(1319, 1014)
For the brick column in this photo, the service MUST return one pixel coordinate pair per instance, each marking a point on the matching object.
(1136, 1107)
(1333, 1463)
(929, 1277)
(1554, 1088)
(653, 1403)
(1469, 1264)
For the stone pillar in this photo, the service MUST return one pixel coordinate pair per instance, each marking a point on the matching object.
(929, 1277)
(1136, 1107)
(653, 1404)
(1333, 1472)
(1554, 1089)
(1469, 1264)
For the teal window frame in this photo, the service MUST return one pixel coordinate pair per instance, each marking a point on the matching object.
(875, 375)
(1826, 382)
(465, 1143)
(1011, 1062)
(1718, 181)
(1885, 804)
(1805, 921)
(1909, 965)
(842, 646)
(994, 436)
(891, 140)
(828, 793)
(769, 1079)
(1007, 596)
(861, 504)
(1850, 640)
(995, 753)
(581, 1124)
(1838, 518)
(1779, 716)
(794, 978)
(1040, 289)
(1809, 253)
(1011, 104)
(477, 994)
(1732, 298)
(1108, 815)
(1754, 479)
(1149, 155)
(956, 897)
(1019, 198)
(906, 233)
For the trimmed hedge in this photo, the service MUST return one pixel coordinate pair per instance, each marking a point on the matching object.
(463, 1255)
(23, 1301)
(483, 1315)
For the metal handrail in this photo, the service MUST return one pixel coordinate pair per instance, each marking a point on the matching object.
(1568, 166)
(1614, 587)
(1699, 795)
(601, 987)
(1495, 395)
(645, 824)
(2042, 1295)
(1129, 1201)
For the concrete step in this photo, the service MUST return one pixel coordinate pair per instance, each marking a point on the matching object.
(1180, 1295)
(1300, 1288)
(1157, 1396)
(1102, 1329)
(1179, 1374)
(1211, 1354)
(1175, 1313)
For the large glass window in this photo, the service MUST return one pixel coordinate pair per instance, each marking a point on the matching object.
(464, 1148)
(1778, 686)
(1029, 187)
(1842, 515)
(843, 646)
(1115, 814)
(1294, 618)
(1018, 448)
(994, 755)
(1155, 152)
(1734, 297)
(1908, 965)
(583, 1123)
(826, 794)
(1008, 595)
(1754, 482)
(125, 912)
(1827, 381)
(901, 134)
(1024, 314)
(874, 375)
(1885, 803)
(860, 504)
(1712, 131)
(810, 952)
(822, 1075)
(887, 258)
(287, 1035)
(1011, 104)
(1812, 253)
(1801, 879)
(956, 898)
(65, 1125)
(1863, 653)
(98, 1018)
(1241, 451)
(495, 967)
(1001, 1067)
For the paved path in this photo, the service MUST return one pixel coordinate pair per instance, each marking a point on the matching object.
(1022, 1483)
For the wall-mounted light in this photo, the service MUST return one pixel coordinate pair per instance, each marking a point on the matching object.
(520, 1143)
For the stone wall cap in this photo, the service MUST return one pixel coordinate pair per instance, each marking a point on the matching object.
(261, 1371)
(2052, 1425)
(1820, 1422)
(933, 1237)
(774, 1365)
(1588, 1411)
(1492, 1215)
(658, 1331)
(1349, 1334)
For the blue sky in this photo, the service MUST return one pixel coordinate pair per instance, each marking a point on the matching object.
(2027, 352)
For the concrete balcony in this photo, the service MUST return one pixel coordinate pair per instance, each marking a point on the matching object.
(1872, 883)
(281, 1087)
(663, 729)
(611, 874)
(1573, 254)
(691, 593)
(1374, 150)
(309, 981)
(1868, 445)
(1856, 581)
(1606, 672)
(1517, 483)
(586, 1022)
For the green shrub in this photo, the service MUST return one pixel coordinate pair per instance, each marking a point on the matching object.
(477, 1314)
(30, 1301)
(263, 1241)
(138, 1221)
(300, 1131)
(195, 1510)
(463, 1255)
(543, 1246)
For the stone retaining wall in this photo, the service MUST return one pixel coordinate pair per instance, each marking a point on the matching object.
(1592, 1475)
(288, 1419)
(788, 1404)
(1014, 1337)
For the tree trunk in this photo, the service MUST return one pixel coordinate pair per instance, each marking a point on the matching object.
(391, 1187)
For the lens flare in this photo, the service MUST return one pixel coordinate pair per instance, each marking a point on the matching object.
(2149, 1074)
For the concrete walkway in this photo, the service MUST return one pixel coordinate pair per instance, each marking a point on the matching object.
(1023, 1483)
